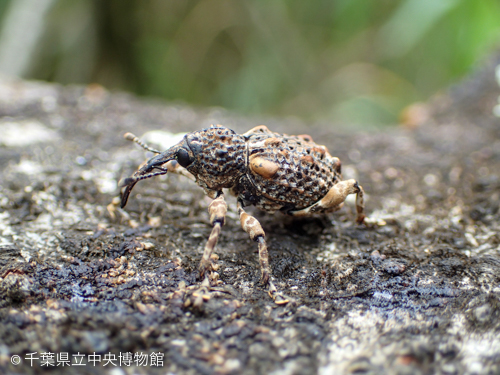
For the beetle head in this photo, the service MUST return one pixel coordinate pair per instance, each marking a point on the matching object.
(156, 166)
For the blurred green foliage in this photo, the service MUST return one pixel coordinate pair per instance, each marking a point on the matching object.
(342, 61)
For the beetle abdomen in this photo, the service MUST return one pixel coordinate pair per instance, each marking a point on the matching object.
(289, 171)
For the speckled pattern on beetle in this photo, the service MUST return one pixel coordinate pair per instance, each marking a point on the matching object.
(274, 172)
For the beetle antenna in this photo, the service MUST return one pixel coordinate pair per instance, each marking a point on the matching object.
(133, 138)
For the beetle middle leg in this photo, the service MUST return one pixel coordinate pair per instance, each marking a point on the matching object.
(257, 129)
(252, 226)
(217, 210)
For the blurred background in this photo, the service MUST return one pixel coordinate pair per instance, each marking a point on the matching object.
(347, 62)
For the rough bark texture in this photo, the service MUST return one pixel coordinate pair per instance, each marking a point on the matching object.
(418, 295)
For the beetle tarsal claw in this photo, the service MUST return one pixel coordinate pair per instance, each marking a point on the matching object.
(199, 295)
(205, 268)
(277, 297)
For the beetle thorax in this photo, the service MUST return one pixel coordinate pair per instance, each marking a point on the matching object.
(220, 157)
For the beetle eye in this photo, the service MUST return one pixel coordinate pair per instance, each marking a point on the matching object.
(183, 158)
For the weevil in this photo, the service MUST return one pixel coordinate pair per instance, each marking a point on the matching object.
(272, 171)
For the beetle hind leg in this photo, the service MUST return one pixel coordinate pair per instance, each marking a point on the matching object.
(334, 200)
(360, 204)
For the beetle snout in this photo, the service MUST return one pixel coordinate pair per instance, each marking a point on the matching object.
(146, 171)
(157, 161)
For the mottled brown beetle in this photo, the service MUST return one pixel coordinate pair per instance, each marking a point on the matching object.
(275, 172)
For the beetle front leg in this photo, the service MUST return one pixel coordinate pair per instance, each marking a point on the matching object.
(174, 167)
(217, 210)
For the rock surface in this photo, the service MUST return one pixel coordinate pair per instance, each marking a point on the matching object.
(416, 292)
